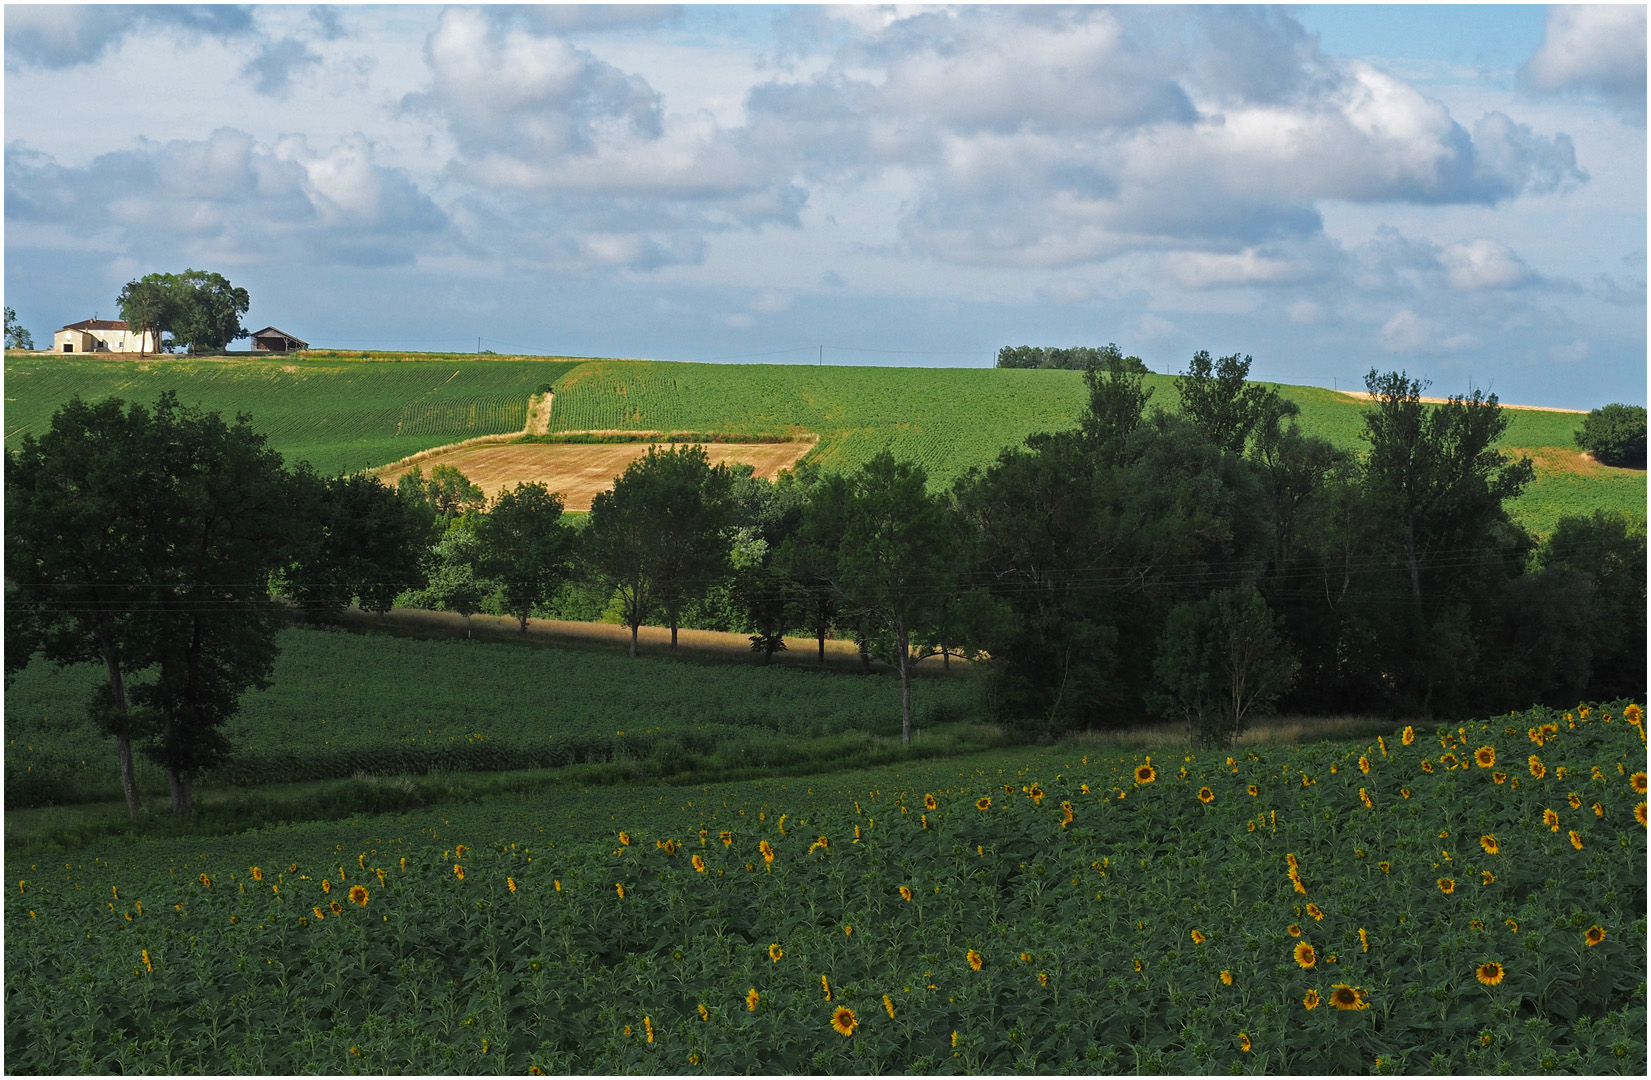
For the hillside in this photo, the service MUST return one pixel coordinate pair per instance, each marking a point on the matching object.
(340, 413)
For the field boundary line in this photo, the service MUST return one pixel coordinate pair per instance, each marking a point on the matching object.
(1364, 397)
(533, 404)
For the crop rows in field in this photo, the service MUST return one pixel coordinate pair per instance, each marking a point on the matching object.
(1396, 907)
(335, 414)
(341, 703)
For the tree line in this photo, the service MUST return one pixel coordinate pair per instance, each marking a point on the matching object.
(1204, 563)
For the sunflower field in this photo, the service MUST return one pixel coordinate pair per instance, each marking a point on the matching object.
(1455, 899)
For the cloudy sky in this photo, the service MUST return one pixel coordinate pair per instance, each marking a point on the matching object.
(1456, 191)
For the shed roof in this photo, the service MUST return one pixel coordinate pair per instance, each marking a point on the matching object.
(98, 324)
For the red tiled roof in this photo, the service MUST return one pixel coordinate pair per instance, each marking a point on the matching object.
(98, 324)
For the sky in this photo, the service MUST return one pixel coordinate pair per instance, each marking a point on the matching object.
(1458, 192)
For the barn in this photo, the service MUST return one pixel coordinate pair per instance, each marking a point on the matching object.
(269, 339)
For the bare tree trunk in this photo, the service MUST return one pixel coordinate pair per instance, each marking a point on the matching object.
(188, 781)
(174, 779)
(524, 622)
(865, 657)
(634, 626)
(820, 632)
(673, 630)
(123, 733)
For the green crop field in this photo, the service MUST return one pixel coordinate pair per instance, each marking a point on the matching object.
(338, 415)
(1392, 908)
(346, 414)
(341, 703)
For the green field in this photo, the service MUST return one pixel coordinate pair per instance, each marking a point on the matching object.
(1090, 918)
(340, 703)
(344, 414)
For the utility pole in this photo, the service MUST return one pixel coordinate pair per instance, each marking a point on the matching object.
(478, 345)
(822, 356)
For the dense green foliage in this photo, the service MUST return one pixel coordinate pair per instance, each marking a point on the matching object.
(1096, 915)
(338, 415)
(1077, 358)
(1615, 434)
(340, 703)
(199, 308)
(17, 336)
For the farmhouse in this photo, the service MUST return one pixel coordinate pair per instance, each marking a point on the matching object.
(270, 339)
(102, 335)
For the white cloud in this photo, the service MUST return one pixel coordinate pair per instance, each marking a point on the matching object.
(68, 35)
(1597, 49)
(1483, 264)
(771, 301)
(1408, 332)
(1571, 352)
(1304, 312)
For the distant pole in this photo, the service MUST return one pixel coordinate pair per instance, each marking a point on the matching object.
(478, 345)
(822, 356)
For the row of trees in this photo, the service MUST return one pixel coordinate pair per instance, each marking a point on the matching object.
(1202, 563)
(1077, 358)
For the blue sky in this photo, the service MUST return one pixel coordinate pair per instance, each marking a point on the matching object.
(1458, 191)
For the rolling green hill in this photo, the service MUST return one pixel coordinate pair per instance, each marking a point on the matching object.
(340, 413)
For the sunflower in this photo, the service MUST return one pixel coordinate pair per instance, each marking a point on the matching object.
(458, 872)
(1036, 793)
(975, 960)
(1599, 810)
(930, 803)
(1538, 769)
(1639, 813)
(1364, 764)
(1511, 925)
(726, 837)
(326, 886)
(1447, 885)
(1634, 715)
(1145, 774)
(1576, 839)
(1575, 800)
(1448, 760)
(1043, 978)
(1427, 766)
(1067, 817)
(1304, 955)
(888, 1006)
(1197, 938)
(1364, 797)
(1487, 878)
(1226, 977)
(1488, 842)
(1364, 939)
(1316, 912)
(825, 985)
(336, 908)
(1205, 795)
(318, 913)
(624, 840)
(1637, 782)
(775, 952)
(1594, 936)
(1347, 997)
(358, 895)
(1551, 820)
(905, 893)
(1490, 973)
(842, 1021)
(751, 1000)
(206, 881)
(1293, 930)
(1311, 1000)
(1499, 777)
(1408, 736)
(1244, 1042)
(1381, 742)
(1485, 757)
(1253, 790)
(983, 803)
(767, 850)
(257, 874)
(698, 863)
(620, 889)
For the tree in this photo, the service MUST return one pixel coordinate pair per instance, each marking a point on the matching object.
(447, 492)
(526, 548)
(656, 536)
(1217, 396)
(1615, 435)
(200, 308)
(1222, 659)
(172, 568)
(1078, 358)
(1608, 551)
(451, 570)
(78, 538)
(366, 545)
(16, 336)
(1117, 404)
(809, 555)
(897, 561)
(148, 308)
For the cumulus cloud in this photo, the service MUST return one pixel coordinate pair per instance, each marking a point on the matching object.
(1597, 50)
(1049, 138)
(232, 199)
(64, 35)
(1408, 332)
(1483, 264)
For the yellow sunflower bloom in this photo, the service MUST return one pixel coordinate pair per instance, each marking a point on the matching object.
(1244, 1042)
(767, 850)
(1576, 839)
(620, 889)
(336, 907)
(1575, 800)
(358, 895)
(1490, 973)
(698, 863)
(1637, 782)
(1408, 736)
(825, 985)
(257, 874)
(1205, 795)
(1447, 885)
(975, 960)
(624, 840)
(842, 1021)
(1311, 1000)
(1315, 912)
(1304, 955)
(775, 952)
(905, 893)
(1487, 878)
(930, 803)
(1253, 790)
(1293, 930)
(888, 1006)
(1145, 774)
(1639, 813)
(1364, 939)
(1226, 977)
(1550, 819)
(1538, 769)
(1347, 997)
(751, 1000)
(1485, 757)
(1198, 938)
(326, 886)
(983, 803)
(1594, 936)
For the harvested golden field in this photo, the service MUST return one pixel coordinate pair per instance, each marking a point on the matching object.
(579, 470)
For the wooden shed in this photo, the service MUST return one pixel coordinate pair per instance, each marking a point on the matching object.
(269, 339)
